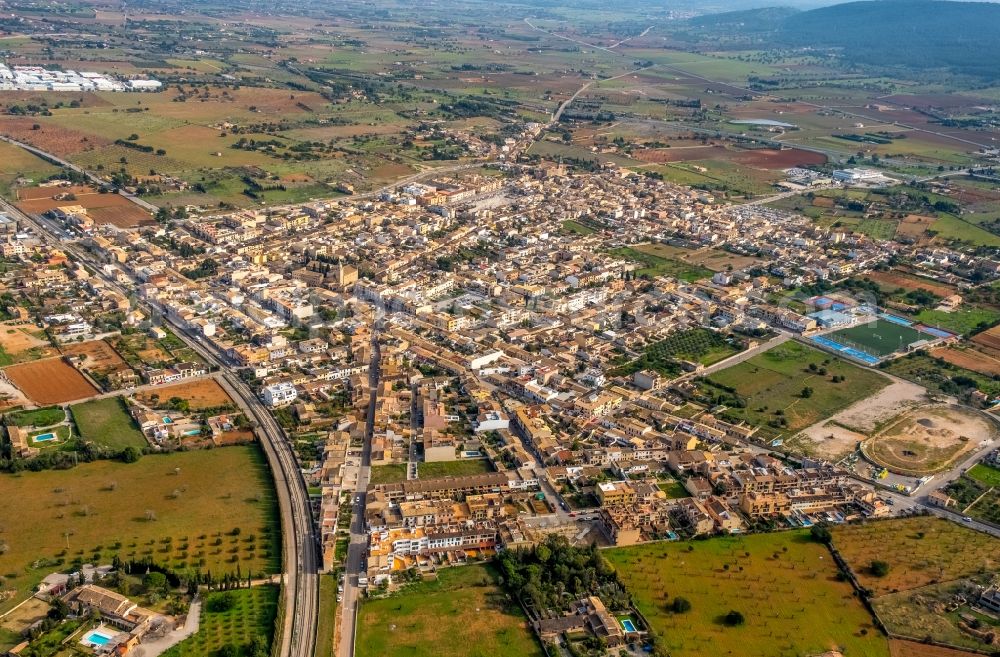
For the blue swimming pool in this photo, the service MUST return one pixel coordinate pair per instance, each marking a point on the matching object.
(192, 432)
(44, 437)
(167, 420)
(628, 625)
(97, 638)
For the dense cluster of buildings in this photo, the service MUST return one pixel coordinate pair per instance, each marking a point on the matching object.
(37, 78)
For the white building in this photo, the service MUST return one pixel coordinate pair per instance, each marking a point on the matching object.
(279, 394)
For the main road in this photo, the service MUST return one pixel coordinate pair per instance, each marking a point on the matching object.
(357, 548)
(300, 548)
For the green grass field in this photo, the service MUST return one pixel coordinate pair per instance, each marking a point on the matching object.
(179, 509)
(250, 616)
(784, 584)
(962, 321)
(327, 616)
(879, 337)
(107, 423)
(461, 614)
(656, 265)
(986, 474)
(40, 417)
(774, 381)
(388, 474)
(453, 468)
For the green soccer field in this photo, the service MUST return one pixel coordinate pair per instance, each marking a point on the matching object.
(879, 337)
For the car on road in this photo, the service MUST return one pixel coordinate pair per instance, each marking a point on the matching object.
(966, 519)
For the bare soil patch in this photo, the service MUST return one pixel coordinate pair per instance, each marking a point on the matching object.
(49, 381)
(928, 439)
(976, 361)
(200, 394)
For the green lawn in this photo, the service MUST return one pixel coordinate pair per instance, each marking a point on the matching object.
(250, 615)
(461, 614)
(770, 387)
(106, 422)
(655, 265)
(986, 474)
(674, 489)
(784, 584)
(453, 468)
(41, 417)
(388, 474)
(578, 228)
(327, 615)
(180, 509)
(962, 321)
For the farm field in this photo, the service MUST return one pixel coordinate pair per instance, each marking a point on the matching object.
(97, 357)
(922, 612)
(179, 509)
(986, 474)
(782, 583)
(460, 468)
(107, 423)
(111, 209)
(655, 264)
(698, 345)
(767, 390)
(200, 394)
(920, 551)
(49, 381)
(17, 163)
(19, 343)
(939, 371)
(969, 359)
(232, 618)
(891, 280)
(900, 648)
(964, 321)
(463, 602)
(40, 417)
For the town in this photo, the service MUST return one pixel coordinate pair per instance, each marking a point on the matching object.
(575, 332)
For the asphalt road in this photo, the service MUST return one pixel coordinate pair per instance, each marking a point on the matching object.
(358, 546)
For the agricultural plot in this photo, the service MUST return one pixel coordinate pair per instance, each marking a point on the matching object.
(21, 342)
(107, 423)
(232, 618)
(655, 265)
(462, 602)
(924, 612)
(697, 345)
(943, 372)
(49, 381)
(770, 389)
(962, 321)
(179, 509)
(201, 394)
(111, 209)
(919, 551)
(782, 584)
(985, 474)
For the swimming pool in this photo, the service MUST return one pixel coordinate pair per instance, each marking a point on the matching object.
(192, 432)
(97, 638)
(167, 420)
(628, 625)
(44, 437)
